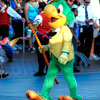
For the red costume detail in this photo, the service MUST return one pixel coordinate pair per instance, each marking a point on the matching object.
(44, 26)
(4, 17)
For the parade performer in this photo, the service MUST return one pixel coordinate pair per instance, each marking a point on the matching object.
(62, 52)
(43, 29)
(5, 13)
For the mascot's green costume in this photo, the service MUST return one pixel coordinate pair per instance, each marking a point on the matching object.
(61, 49)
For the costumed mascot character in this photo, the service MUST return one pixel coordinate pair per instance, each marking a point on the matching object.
(62, 52)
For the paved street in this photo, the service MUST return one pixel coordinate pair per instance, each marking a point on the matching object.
(21, 79)
(25, 65)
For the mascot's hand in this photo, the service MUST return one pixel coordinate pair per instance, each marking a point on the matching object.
(44, 47)
(63, 59)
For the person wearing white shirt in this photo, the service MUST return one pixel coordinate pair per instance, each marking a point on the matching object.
(96, 6)
(5, 13)
(11, 12)
(81, 16)
(85, 18)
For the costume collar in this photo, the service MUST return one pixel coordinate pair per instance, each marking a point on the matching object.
(41, 12)
(2, 9)
(85, 6)
(57, 29)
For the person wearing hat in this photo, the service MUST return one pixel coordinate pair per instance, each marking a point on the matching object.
(43, 28)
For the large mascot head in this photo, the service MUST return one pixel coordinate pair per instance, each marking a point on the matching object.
(59, 12)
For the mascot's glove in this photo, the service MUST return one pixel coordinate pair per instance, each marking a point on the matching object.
(44, 47)
(63, 59)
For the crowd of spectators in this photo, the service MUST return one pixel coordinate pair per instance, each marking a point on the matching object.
(85, 27)
(88, 20)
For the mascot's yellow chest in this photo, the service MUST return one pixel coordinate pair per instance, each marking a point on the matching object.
(56, 39)
(62, 40)
(56, 43)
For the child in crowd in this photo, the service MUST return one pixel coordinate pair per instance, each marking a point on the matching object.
(75, 30)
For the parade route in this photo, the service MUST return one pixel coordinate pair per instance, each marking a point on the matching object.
(21, 79)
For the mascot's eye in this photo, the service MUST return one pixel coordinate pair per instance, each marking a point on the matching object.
(60, 8)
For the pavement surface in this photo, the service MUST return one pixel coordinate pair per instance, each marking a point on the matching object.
(21, 79)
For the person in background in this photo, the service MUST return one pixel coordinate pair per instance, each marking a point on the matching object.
(31, 11)
(5, 12)
(19, 4)
(77, 3)
(75, 30)
(37, 1)
(70, 2)
(42, 29)
(86, 18)
(46, 1)
(93, 56)
(3, 74)
(16, 23)
(95, 5)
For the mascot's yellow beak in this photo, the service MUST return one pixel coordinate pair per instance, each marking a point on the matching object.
(57, 19)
